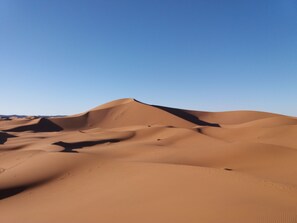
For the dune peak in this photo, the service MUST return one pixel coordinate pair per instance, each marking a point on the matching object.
(115, 103)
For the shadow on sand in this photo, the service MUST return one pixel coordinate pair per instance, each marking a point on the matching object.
(43, 125)
(69, 147)
(5, 193)
(4, 136)
(187, 116)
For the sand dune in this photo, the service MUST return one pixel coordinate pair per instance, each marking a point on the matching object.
(126, 161)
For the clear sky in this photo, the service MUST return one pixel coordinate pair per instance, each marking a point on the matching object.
(67, 56)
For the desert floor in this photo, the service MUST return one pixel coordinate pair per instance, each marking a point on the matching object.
(126, 161)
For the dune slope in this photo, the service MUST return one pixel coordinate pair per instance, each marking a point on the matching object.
(126, 161)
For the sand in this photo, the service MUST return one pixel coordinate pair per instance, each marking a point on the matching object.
(126, 161)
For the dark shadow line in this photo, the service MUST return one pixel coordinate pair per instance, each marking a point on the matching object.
(69, 147)
(9, 192)
(5, 193)
(187, 116)
(43, 125)
(4, 136)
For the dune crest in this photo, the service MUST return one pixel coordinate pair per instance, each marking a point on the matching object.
(127, 161)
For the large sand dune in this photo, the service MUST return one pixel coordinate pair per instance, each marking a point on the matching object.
(126, 161)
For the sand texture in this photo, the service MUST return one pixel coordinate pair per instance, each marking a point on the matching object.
(126, 161)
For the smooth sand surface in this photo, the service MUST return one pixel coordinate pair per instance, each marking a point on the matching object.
(126, 161)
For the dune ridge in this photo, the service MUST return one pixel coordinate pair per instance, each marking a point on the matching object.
(127, 161)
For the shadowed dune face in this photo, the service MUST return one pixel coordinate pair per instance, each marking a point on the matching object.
(43, 125)
(126, 161)
(4, 136)
(69, 147)
(187, 116)
(6, 193)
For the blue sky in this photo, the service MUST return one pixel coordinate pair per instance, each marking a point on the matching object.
(67, 56)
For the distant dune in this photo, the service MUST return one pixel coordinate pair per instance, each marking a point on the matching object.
(127, 161)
